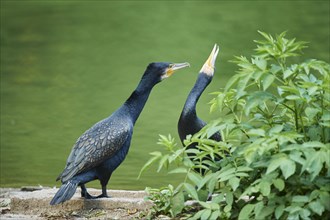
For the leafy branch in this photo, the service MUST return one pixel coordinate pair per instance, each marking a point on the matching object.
(274, 158)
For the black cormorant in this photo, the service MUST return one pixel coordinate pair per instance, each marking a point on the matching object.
(102, 148)
(189, 123)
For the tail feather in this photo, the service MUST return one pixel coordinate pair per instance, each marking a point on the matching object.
(65, 192)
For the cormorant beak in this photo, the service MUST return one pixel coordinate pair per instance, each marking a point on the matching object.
(173, 67)
(209, 65)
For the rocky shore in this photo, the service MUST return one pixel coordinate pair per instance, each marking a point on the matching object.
(33, 203)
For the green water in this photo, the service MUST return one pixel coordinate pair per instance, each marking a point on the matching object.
(68, 64)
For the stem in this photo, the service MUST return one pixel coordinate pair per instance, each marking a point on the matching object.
(296, 116)
(186, 177)
(232, 111)
(302, 123)
(322, 127)
(283, 67)
(266, 115)
(245, 133)
(282, 81)
(274, 109)
(288, 107)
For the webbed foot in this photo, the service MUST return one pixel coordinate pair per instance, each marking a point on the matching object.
(103, 196)
(89, 196)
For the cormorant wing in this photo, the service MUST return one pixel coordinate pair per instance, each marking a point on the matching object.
(96, 145)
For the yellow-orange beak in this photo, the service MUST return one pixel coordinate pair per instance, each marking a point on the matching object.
(209, 65)
(173, 67)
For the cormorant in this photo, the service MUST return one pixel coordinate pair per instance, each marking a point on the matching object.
(189, 123)
(103, 147)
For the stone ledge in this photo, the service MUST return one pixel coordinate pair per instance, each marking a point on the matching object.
(35, 204)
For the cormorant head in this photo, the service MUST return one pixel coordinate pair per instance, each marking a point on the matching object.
(163, 70)
(209, 65)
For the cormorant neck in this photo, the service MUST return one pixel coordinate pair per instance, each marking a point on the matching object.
(138, 98)
(189, 109)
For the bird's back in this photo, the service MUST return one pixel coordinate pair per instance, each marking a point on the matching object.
(97, 144)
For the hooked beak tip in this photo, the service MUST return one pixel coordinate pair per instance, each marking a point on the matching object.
(174, 67)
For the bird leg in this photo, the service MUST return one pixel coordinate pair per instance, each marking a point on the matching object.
(104, 193)
(84, 192)
(86, 195)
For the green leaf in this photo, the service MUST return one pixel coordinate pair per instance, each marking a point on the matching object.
(211, 184)
(246, 211)
(297, 157)
(205, 204)
(218, 198)
(257, 99)
(314, 144)
(311, 112)
(179, 170)
(205, 179)
(293, 208)
(258, 208)
(229, 198)
(203, 195)
(287, 73)
(275, 69)
(316, 207)
(191, 190)
(206, 214)
(314, 162)
(244, 169)
(195, 178)
(197, 216)
(260, 63)
(257, 132)
(234, 183)
(177, 203)
(231, 82)
(292, 97)
(325, 199)
(266, 36)
(288, 89)
(325, 116)
(175, 155)
(267, 81)
(241, 86)
(156, 155)
(266, 211)
(227, 208)
(215, 215)
(305, 213)
(163, 161)
(276, 129)
(225, 171)
(288, 167)
(274, 164)
(279, 184)
(212, 130)
(302, 199)
(264, 188)
(279, 211)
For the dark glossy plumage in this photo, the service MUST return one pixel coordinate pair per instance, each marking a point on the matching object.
(189, 123)
(103, 147)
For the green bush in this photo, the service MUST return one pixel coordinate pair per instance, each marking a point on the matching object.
(274, 119)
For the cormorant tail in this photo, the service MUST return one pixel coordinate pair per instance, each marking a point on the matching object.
(66, 191)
